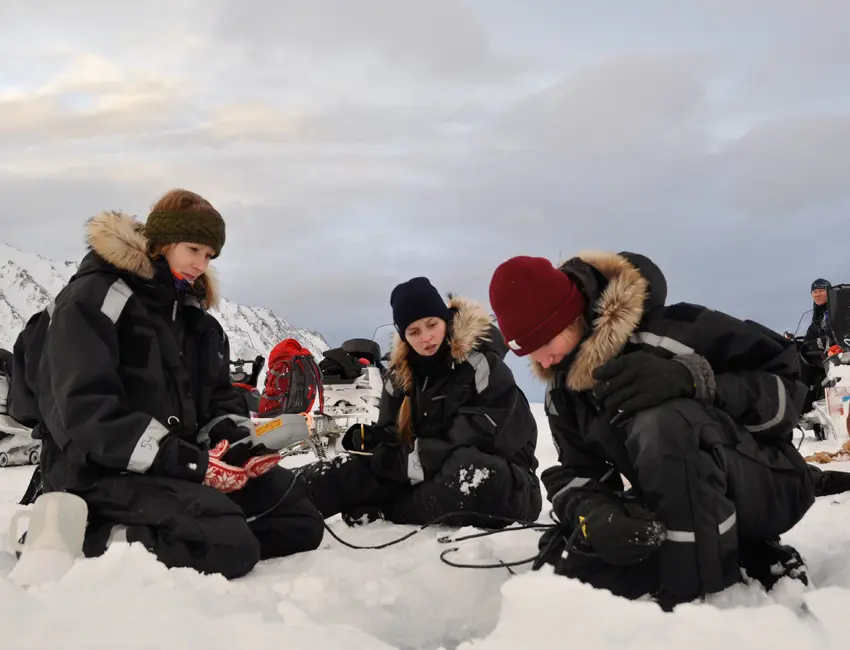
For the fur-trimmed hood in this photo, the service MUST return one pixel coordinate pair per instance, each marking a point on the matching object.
(632, 285)
(472, 328)
(119, 240)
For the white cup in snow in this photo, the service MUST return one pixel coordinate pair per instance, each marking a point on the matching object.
(54, 540)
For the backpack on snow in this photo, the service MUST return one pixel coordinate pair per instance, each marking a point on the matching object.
(293, 382)
(6, 363)
(22, 401)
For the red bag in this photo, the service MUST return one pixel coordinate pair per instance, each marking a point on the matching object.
(293, 381)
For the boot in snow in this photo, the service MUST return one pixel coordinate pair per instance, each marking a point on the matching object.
(769, 561)
(361, 516)
(828, 482)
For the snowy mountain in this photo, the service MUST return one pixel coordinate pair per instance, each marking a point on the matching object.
(29, 281)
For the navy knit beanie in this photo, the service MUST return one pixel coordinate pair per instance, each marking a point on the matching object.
(417, 298)
(820, 283)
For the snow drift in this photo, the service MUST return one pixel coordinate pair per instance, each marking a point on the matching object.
(404, 597)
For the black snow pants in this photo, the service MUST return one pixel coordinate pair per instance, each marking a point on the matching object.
(716, 489)
(469, 481)
(191, 525)
(813, 377)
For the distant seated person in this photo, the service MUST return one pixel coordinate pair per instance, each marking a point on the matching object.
(454, 434)
(819, 330)
(817, 340)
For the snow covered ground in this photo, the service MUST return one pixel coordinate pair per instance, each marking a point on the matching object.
(404, 597)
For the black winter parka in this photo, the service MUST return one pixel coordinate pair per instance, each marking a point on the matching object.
(756, 370)
(130, 366)
(474, 402)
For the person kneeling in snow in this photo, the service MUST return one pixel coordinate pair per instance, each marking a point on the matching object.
(692, 406)
(136, 406)
(455, 432)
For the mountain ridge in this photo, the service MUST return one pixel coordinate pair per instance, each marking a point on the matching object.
(29, 281)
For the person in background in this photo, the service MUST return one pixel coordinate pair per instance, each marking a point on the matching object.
(813, 348)
(819, 332)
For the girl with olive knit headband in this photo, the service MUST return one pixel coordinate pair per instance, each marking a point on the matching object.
(136, 409)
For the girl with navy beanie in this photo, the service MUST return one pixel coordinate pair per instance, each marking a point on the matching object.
(455, 432)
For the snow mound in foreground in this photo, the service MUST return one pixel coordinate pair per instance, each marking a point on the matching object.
(404, 597)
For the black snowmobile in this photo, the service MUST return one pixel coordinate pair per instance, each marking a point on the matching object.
(246, 382)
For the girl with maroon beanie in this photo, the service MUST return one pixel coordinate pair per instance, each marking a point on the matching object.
(455, 433)
(693, 407)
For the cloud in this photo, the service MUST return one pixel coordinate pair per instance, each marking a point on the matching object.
(605, 109)
(89, 98)
(786, 166)
(352, 146)
(440, 38)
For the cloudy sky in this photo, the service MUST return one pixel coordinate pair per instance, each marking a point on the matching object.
(352, 145)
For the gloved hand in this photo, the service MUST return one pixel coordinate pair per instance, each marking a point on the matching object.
(231, 432)
(227, 429)
(389, 461)
(621, 532)
(365, 437)
(225, 476)
(640, 380)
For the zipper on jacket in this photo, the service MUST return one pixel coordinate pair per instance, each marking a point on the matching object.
(172, 386)
(174, 312)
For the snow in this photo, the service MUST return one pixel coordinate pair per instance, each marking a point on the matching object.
(28, 282)
(469, 479)
(403, 596)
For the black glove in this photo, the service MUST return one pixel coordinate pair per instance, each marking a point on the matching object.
(364, 437)
(640, 380)
(178, 458)
(239, 454)
(623, 533)
(389, 462)
(227, 429)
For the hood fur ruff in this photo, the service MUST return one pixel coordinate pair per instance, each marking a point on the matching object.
(620, 309)
(119, 239)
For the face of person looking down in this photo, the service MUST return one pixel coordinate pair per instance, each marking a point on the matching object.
(188, 260)
(426, 335)
(559, 347)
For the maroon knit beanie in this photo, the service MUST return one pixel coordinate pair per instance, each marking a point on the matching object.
(533, 302)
